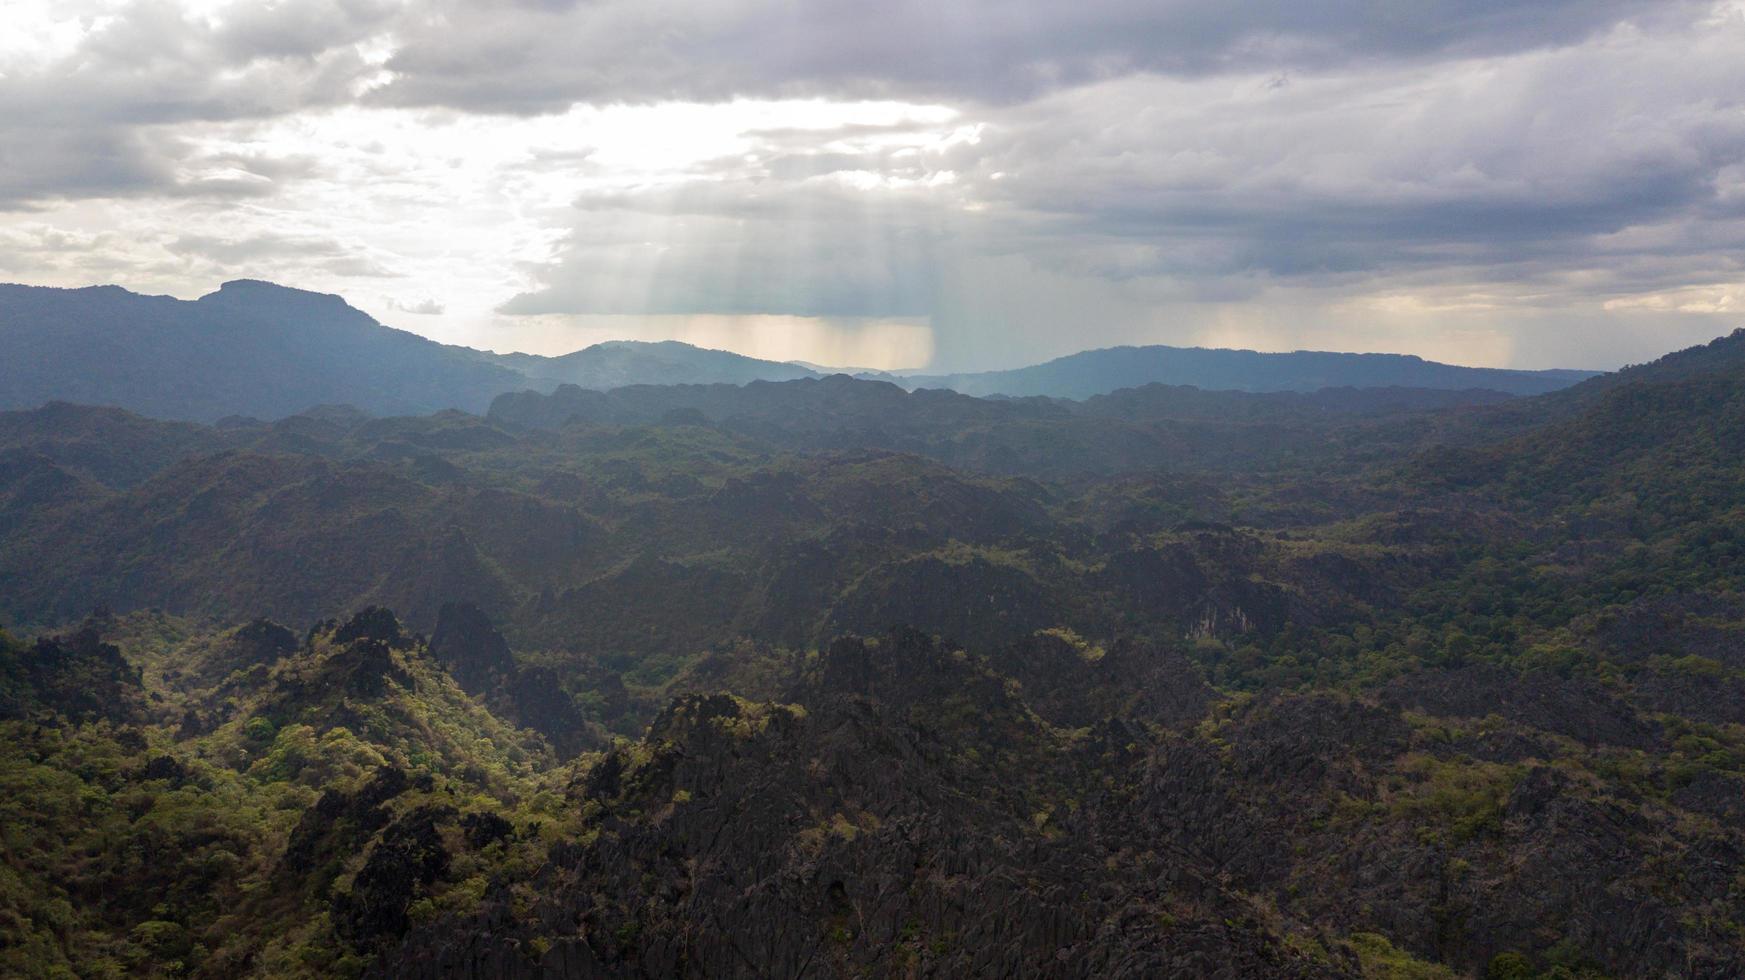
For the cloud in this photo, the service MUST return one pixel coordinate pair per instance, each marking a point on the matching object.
(1016, 180)
(36, 166)
(1498, 162)
(95, 96)
(87, 79)
(850, 219)
(428, 307)
(1541, 178)
(467, 54)
(254, 248)
(287, 254)
(307, 29)
(803, 249)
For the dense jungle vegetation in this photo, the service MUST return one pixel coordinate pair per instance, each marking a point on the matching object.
(822, 677)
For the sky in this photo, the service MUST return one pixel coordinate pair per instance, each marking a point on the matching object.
(949, 184)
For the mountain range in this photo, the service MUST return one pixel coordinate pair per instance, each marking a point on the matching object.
(825, 677)
(255, 349)
(1096, 372)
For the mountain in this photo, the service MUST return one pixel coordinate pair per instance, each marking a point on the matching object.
(255, 349)
(267, 351)
(827, 678)
(1097, 372)
(1134, 429)
(617, 363)
(839, 402)
(1719, 358)
(251, 348)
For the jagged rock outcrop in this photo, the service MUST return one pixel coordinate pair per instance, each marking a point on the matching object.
(532, 696)
(78, 675)
(1578, 708)
(469, 646)
(864, 838)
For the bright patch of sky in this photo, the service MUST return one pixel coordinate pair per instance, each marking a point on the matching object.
(1552, 183)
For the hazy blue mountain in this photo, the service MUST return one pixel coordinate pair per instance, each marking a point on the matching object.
(255, 349)
(1097, 372)
(618, 363)
(258, 349)
(251, 348)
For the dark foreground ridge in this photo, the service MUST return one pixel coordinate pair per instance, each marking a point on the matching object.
(894, 805)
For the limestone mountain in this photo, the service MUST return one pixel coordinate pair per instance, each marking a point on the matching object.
(251, 348)
(823, 677)
(1095, 372)
(256, 349)
(617, 363)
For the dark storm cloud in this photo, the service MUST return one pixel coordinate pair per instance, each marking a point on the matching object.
(1506, 163)
(152, 61)
(154, 64)
(104, 119)
(545, 56)
(39, 164)
(306, 29)
(1524, 170)
(35, 165)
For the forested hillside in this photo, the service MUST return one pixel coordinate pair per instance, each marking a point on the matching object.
(822, 677)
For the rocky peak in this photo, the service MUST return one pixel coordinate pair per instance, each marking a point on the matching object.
(373, 623)
(469, 645)
(261, 297)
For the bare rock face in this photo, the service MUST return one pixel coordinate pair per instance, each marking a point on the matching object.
(974, 598)
(478, 657)
(865, 838)
(409, 856)
(1574, 707)
(339, 669)
(1713, 697)
(340, 821)
(469, 646)
(1072, 684)
(536, 698)
(262, 641)
(372, 623)
(1720, 795)
(77, 675)
(1048, 809)
(1701, 624)
(1207, 584)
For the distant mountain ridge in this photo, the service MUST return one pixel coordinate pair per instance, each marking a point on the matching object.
(1096, 372)
(257, 349)
(251, 348)
(619, 363)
